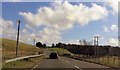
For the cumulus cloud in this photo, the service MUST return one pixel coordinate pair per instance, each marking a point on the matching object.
(113, 42)
(47, 35)
(114, 5)
(65, 15)
(106, 29)
(7, 29)
(113, 27)
(54, 20)
(73, 42)
(61, 16)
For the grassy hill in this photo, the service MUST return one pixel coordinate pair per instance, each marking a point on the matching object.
(9, 48)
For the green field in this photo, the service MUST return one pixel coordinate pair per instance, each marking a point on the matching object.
(9, 48)
(60, 51)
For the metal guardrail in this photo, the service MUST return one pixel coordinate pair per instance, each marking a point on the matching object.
(20, 58)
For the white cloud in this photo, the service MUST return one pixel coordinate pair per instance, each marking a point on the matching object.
(113, 42)
(7, 29)
(60, 17)
(106, 29)
(25, 31)
(47, 35)
(63, 16)
(55, 19)
(73, 42)
(114, 5)
(114, 27)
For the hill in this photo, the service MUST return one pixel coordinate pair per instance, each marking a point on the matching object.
(9, 48)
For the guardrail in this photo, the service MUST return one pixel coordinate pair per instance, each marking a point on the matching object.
(20, 58)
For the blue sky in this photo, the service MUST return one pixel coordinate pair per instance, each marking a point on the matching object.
(104, 26)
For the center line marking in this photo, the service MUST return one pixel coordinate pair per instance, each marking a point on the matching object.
(77, 67)
(34, 66)
(62, 59)
(67, 62)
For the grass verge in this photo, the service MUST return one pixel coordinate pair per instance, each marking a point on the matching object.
(25, 63)
(110, 61)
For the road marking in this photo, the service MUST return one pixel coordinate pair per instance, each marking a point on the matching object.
(67, 62)
(62, 59)
(77, 67)
(35, 66)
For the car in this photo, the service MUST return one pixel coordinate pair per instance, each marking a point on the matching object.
(53, 55)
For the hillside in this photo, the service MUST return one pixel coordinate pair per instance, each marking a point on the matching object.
(9, 48)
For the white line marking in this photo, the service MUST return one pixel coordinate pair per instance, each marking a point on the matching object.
(62, 59)
(35, 66)
(67, 62)
(77, 67)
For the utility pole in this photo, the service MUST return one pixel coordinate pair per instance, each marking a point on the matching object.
(118, 52)
(96, 40)
(84, 42)
(34, 42)
(95, 45)
(80, 42)
(17, 44)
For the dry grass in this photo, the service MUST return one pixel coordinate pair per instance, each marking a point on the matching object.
(9, 48)
(30, 63)
(111, 61)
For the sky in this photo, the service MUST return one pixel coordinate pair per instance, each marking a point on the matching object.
(57, 21)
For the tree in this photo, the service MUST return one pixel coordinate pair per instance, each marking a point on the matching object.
(39, 44)
(44, 45)
(53, 45)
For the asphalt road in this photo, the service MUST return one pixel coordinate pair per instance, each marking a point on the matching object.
(65, 63)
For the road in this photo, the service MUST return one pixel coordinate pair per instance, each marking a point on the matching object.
(64, 63)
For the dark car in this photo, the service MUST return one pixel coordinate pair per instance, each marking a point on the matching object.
(53, 55)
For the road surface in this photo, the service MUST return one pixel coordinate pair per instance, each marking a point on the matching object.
(64, 63)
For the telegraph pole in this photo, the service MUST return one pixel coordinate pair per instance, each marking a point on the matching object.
(80, 42)
(17, 44)
(118, 50)
(34, 42)
(95, 45)
(96, 40)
